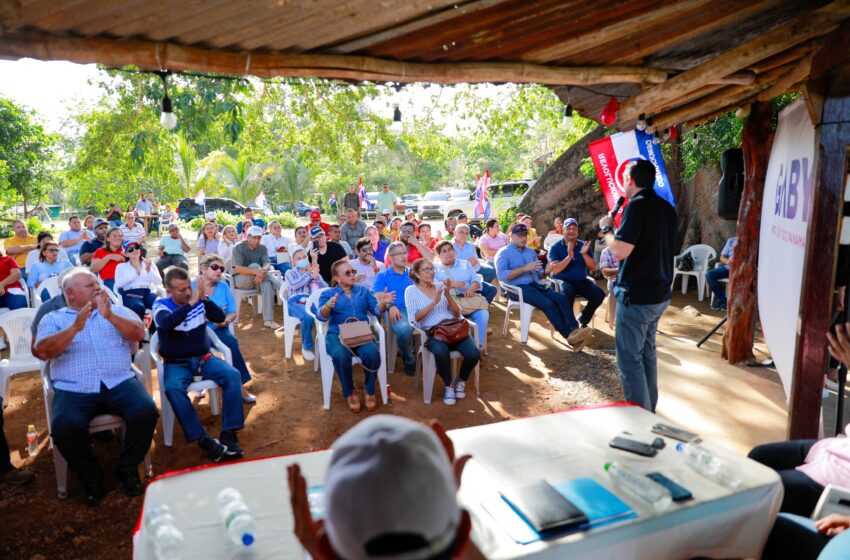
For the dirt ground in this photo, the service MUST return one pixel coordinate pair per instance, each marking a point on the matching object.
(517, 381)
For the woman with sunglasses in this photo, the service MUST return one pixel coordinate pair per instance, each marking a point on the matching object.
(35, 256)
(105, 260)
(212, 267)
(336, 306)
(48, 265)
(302, 280)
(430, 303)
(137, 279)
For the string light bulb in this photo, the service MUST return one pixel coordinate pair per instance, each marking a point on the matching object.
(650, 128)
(641, 124)
(568, 116)
(396, 127)
(166, 118)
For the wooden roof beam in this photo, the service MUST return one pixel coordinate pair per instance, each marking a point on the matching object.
(804, 28)
(154, 56)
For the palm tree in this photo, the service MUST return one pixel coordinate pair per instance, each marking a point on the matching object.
(193, 173)
(241, 178)
(292, 180)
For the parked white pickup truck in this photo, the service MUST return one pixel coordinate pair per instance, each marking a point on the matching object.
(501, 195)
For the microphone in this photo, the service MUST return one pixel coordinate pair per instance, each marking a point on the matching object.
(620, 202)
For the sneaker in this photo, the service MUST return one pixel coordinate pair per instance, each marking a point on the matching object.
(17, 477)
(215, 450)
(460, 389)
(131, 484)
(449, 396)
(229, 440)
(248, 397)
(579, 336)
(271, 325)
(308, 355)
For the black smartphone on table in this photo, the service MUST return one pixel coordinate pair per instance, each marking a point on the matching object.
(632, 446)
(673, 432)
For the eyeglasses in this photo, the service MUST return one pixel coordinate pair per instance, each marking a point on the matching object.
(130, 250)
(426, 269)
(350, 272)
(398, 253)
(216, 267)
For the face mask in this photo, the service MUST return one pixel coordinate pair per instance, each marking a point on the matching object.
(301, 265)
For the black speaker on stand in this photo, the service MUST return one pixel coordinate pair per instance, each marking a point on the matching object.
(731, 185)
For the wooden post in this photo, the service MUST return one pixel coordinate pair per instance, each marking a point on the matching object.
(833, 140)
(741, 307)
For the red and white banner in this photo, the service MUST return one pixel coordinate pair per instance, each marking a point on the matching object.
(613, 153)
(785, 214)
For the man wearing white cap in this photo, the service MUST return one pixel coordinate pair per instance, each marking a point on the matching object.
(251, 270)
(390, 493)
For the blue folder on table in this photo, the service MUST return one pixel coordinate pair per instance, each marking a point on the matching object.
(601, 507)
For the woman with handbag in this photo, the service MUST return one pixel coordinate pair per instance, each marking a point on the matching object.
(346, 307)
(466, 285)
(433, 309)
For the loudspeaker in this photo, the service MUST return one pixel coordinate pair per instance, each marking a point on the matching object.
(731, 185)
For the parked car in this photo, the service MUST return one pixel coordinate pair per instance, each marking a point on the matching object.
(433, 204)
(188, 209)
(501, 195)
(411, 201)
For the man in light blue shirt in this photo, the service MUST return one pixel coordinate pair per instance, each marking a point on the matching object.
(519, 266)
(88, 347)
(715, 275)
(73, 239)
(396, 278)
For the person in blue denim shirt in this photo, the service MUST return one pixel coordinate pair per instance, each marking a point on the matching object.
(519, 266)
(463, 282)
(570, 263)
(396, 278)
(716, 274)
(336, 306)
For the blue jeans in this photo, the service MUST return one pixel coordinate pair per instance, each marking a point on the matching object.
(178, 376)
(487, 272)
(298, 309)
(442, 355)
(489, 291)
(137, 300)
(368, 354)
(554, 305)
(587, 289)
(13, 301)
(635, 343)
(74, 257)
(480, 317)
(224, 335)
(713, 278)
(116, 223)
(72, 413)
(282, 267)
(404, 338)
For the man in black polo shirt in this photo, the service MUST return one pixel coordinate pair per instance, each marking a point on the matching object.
(324, 252)
(644, 247)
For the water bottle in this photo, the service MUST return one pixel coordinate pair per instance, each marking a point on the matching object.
(640, 485)
(702, 460)
(238, 521)
(32, 440)
(166, 538)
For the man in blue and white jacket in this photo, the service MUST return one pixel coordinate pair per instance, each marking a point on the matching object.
(184, 345)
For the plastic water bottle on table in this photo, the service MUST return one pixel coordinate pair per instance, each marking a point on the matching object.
(640, 485)
(166, 538)
(705, 462)
(238, 521)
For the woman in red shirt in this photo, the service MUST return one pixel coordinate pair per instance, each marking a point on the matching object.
(107, 258)
(425, 236)
(12, 293)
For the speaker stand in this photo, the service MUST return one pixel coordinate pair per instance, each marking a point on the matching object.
(712, 331)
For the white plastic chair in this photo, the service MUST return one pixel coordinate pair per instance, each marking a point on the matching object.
(208, 386)
(289, 323)
(429, 363)
(722, 281)
(100, 423)
(240, 294)
(324, 359)
(702, 255)
(52, 287)
(16, 326)
(392, 346)
(525, 310)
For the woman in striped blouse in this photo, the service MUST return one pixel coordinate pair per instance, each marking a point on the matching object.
(302, 280)
(428, 304)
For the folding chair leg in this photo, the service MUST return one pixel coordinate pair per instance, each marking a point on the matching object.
(167, 421)
(61, 473)
(148, 465)
(215, 404)
(507, 318)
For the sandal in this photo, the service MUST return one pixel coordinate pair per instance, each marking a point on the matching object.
(371, 403)
(354, 402)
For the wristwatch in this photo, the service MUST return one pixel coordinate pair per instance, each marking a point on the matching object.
(606, 229)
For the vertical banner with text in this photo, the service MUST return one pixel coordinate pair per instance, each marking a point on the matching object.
(786, 208)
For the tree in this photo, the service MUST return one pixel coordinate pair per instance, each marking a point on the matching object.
(241, 178)
(25, 155)
(290, 181)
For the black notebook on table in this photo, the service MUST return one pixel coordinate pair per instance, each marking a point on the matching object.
(544, 507)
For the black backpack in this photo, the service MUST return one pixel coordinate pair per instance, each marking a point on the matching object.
(686, 263)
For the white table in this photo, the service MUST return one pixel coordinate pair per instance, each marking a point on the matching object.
(717, 523)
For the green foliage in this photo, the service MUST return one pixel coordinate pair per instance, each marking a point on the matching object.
(506, 216)
(289, 182)
(35, 226)
(240, 178)
(25, 155)
(287, 220)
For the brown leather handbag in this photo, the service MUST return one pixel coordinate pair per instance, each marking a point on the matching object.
(354, 332)
(450, 331)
